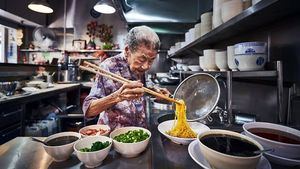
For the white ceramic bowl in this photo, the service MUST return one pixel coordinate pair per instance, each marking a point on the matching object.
(221, 60)
(95, 158)
(250, 48)
(197, 30)
(250, 62)
(255, 2)
(192, 34)
(195, 126)
(63, 152)
(230, 58)
(230, 9)
(224, 161)
(206, 18)
(280, 149)
(97, 127)
(209, 59)
(194, 67)
(129, 149)
(202, 64)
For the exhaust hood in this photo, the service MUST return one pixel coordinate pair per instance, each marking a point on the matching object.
(165, 16)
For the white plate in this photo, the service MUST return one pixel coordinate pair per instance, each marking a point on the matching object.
(167, 125)
(197, 156)
(281, 160)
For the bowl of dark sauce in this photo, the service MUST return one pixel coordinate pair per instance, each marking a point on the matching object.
(60, 146)
(225, 149)
(284, 140)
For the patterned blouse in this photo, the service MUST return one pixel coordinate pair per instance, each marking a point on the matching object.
(125, 113)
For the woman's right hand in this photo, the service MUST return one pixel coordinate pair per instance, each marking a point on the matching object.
(130, 91)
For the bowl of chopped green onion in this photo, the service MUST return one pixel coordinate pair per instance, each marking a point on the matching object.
(130, 141)
(93, 150)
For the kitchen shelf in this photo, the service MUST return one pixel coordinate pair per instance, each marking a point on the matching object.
(30, 50)
(92, 51)
(76, 115)
(84, 58)
(263, 73)
(262, 13)
(25, 64)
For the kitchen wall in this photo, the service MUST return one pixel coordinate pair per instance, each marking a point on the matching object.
(78, 16)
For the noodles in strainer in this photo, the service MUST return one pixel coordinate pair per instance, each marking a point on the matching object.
(181, 128)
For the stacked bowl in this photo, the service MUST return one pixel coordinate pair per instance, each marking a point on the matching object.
(206, 23)
(230, 9)
(250, 56)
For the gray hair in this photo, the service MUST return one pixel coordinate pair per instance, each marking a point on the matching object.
(142, 35)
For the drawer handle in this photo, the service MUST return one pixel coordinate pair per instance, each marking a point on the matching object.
(4, 135)
(11, 113)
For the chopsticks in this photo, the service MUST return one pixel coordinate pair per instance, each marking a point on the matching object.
(97, 70)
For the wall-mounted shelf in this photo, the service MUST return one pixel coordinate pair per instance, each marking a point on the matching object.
(33, 50)
(24, 64)
(262, 13)
(262, 73)
(84, 58)
(92, 51)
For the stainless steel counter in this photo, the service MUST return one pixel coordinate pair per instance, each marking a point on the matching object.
(26, 97)
(22, 153)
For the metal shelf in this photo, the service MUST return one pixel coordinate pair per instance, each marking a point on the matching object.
(32, 50)
(262, 73)
(74, 115)
(262, 13)
(84, 58)
(92, 51)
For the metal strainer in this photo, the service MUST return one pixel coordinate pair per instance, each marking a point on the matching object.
(201, 93)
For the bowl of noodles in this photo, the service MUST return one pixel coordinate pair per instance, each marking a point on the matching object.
(179, 130)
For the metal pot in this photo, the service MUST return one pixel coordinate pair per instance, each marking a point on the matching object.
(168, 80)
(8, 88)
(161, 105)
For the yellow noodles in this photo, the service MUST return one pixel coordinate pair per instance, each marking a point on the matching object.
(181, 128)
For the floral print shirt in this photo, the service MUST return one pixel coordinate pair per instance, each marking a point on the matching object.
(125, 113)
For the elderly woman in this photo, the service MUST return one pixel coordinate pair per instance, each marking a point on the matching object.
(119, 104)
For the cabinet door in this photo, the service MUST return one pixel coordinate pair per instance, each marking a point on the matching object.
(10, 133)
(10, 115)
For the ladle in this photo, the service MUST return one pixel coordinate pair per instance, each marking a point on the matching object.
(40, 141)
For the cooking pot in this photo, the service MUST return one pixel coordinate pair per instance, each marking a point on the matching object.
(201, 93)
(161, 105)
(168, 80)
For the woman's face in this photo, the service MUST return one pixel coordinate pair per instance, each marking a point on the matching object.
(141, 60)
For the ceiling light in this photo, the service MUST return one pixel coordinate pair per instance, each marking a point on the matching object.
(40, 6)
(104, 7)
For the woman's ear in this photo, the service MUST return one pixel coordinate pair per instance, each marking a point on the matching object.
(126, 51)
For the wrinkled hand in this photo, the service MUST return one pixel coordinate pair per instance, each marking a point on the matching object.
(130, 91)
(163, 91)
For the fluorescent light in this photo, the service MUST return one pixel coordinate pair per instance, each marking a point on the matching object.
(104, 8)
(40, 6)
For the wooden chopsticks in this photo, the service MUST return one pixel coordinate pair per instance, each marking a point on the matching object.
(97, 70)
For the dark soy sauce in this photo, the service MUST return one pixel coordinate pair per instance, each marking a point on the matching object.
(276, 135)
(61, 140)
(230, 145)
